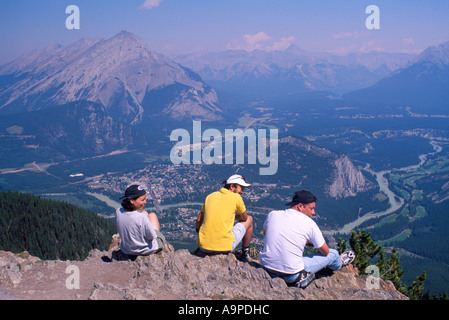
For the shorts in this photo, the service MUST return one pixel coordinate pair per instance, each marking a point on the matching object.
(160, 241)
(238, 231)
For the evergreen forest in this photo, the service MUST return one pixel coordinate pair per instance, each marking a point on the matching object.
(50, 229)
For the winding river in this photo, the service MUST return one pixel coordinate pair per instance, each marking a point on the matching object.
(395, 201)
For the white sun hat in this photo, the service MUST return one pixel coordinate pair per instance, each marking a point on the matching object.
(238, 179)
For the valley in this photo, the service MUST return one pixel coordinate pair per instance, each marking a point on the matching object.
(397, 201)
(72, 131)
(406, 191)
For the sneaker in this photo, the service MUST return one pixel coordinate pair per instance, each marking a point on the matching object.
(242, 254)
(347, 258)
(304, 279)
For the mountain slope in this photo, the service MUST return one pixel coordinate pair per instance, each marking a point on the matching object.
(74, 129)
(300, 164)
(50, 229)
(118, 73)
(422, 83)
(314, 165)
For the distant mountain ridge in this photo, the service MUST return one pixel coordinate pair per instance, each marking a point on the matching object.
(294, 69)
(424, 82)
(121, 73)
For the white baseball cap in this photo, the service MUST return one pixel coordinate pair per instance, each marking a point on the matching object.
(238, 179)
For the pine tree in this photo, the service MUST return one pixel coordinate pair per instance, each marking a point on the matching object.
(369, 253)
(414, 292)
(365, 249)
(392, 270)
(341, 245)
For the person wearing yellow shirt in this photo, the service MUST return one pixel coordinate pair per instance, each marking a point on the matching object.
(217, 232)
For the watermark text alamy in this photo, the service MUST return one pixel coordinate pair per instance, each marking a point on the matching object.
(213, 147)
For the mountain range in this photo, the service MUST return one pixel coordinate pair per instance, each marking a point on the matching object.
(423, 82)
(73, 129)
(134, 83)
(293, 70)
(71, 107)
(121, 73)
(82, 98)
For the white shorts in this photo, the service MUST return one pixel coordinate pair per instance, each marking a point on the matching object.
(238, 231)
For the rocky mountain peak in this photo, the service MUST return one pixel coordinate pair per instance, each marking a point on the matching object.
(438, 55)
(420, 83)
(119, 73)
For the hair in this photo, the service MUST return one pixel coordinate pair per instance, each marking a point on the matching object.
(127, 205)
(228, 185)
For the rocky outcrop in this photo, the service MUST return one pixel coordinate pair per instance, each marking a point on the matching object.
(348, 181)
(170, 275)
(330, 171)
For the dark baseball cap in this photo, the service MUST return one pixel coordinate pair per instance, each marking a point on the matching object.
(303, 197)
(134, 191)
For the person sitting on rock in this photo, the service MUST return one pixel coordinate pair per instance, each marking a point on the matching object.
(215, 223)
(287, 232)
(139, 230)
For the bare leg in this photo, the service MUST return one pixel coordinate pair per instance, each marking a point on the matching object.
(249, 232)
(154, 220)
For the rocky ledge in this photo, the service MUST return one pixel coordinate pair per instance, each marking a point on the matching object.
(171, 275)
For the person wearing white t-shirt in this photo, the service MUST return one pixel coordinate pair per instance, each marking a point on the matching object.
(287, 232)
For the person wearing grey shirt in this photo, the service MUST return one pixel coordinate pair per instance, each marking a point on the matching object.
(139, 230)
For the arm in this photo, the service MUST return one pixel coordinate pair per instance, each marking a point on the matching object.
(324, 249)
(242, 217)
(199, 221)
(240, 210)
(316, 238)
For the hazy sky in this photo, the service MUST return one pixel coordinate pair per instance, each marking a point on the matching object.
(181, 26)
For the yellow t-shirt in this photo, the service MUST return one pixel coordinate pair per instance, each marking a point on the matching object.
(219, 211)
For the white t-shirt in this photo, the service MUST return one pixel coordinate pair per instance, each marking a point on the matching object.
(136, 231)
(286, 234)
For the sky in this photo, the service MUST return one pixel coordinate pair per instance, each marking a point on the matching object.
(175, 27)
